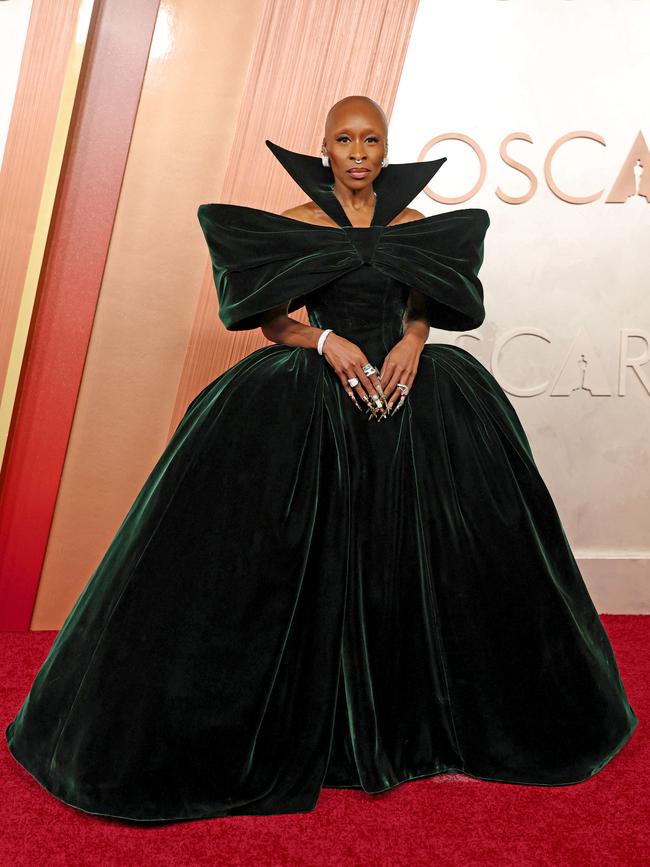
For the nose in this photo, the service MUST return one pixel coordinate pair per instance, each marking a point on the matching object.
(358, 155)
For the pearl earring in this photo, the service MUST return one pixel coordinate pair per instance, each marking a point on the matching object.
(384, 162)
(325, 159)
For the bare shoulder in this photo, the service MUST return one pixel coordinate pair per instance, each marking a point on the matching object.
(300, 212)
(308, 212)
(407, 216)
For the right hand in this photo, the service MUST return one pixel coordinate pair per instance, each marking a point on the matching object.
(347, 360)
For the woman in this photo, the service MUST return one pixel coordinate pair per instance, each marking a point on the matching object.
(345, 569)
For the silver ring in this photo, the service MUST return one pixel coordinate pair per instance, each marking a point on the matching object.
(403, 388)
(369, 368)
(352, 382)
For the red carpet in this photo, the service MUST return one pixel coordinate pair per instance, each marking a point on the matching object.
(443, 820)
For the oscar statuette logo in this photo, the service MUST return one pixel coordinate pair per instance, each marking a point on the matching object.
(583, 368)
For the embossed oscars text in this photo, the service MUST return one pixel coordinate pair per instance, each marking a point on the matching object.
(633, 178)
(582, 368)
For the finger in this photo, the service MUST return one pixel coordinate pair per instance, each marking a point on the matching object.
(393, 398)
(371, 388)
(390, 379)
(378, 395)
(359, 390)
(353, 397)
(380, 391)
(369, 404)
(380, 400)
(410, 379)
(348, 389)
(352, 371)
(363, 391)
(407, 380)
(395, 391)
(400, 403)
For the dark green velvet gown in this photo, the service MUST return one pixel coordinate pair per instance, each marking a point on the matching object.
(301, 598)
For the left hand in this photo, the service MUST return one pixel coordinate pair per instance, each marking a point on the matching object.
(400, 365)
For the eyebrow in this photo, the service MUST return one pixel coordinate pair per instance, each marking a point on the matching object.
(366, 131)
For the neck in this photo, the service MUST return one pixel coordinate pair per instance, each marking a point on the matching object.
(355, 200)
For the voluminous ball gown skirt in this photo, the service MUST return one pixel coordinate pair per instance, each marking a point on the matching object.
(300, 597)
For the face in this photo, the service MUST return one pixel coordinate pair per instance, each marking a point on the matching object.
(355, 133)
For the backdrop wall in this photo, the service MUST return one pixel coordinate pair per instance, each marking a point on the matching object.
(541, 112)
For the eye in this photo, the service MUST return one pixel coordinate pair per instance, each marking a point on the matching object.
(370, 138)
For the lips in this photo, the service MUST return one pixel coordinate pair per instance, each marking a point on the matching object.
(358, 173)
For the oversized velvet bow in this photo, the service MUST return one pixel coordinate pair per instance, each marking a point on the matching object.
(261, 259)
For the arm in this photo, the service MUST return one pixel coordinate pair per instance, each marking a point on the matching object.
(401, 363)
(278, 327)
(416, 321)
(345, 357)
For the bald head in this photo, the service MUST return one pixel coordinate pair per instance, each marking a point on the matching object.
(356, 111)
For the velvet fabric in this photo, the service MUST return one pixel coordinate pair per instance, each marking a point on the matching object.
(299, 597)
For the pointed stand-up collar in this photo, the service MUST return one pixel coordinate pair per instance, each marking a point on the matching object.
(396, 185)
